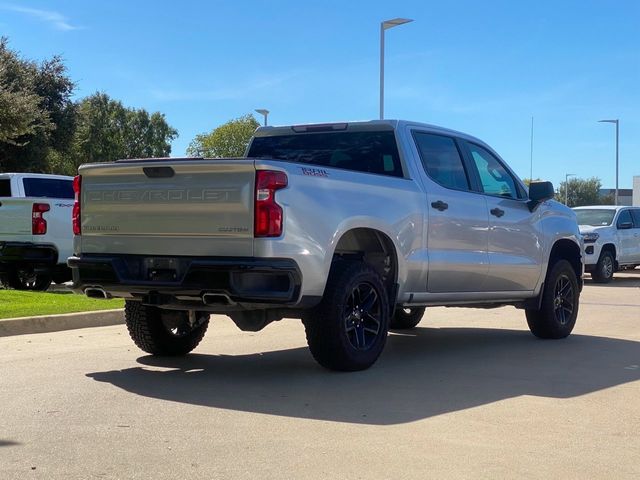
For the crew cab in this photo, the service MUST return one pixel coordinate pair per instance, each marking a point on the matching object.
(353, 227)
(611, 239)
(35, 229)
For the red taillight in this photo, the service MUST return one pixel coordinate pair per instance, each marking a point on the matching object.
(77, 186)
(38, 223)
(268, 214)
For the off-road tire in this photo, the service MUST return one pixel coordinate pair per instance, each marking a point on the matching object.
(331, 326)
(20, 279)
(406, 318)
(605, 267)
(149, 330)
(560, 300)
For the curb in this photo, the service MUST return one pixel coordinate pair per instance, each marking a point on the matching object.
(56, 323)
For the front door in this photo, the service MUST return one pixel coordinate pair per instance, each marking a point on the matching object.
(628, 242)
(515, 233)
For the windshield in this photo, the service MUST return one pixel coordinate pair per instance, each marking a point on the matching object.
(595, 218)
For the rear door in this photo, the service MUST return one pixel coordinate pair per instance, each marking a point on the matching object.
(515, 235)
(457, 218)
(194, 207)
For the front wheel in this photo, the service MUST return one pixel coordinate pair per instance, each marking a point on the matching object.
(164, 332)
(605, 267)
(406, 318)
(348, 330)
(559, 309)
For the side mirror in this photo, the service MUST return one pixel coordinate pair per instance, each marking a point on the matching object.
(625, 226)
(538, 193)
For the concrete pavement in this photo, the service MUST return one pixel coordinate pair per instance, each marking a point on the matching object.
(468, 394)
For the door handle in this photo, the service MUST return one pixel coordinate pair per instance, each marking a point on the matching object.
(440, 205)
(497, 212)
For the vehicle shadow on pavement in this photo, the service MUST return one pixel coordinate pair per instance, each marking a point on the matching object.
(425, 373)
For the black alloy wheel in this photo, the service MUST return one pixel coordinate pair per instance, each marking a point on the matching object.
(347, 331)
(558, 311)
(362, 316)
(563, 300)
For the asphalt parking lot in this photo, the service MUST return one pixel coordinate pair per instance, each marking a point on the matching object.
(468, 394)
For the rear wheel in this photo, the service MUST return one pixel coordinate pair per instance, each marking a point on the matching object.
(604, 268)
(406, 318)
(348, 330)
(559, 309)
(27, 279)
(164, 332)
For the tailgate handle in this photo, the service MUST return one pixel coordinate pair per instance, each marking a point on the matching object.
(158, 172)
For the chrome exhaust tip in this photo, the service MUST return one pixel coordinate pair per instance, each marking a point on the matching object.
(96, 293)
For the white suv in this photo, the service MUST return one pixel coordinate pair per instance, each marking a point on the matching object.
(611, 239)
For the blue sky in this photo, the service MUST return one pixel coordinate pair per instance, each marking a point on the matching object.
(482, 67)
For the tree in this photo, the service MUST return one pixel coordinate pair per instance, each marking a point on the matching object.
(228, 140)
(106, 130)
(581, 192)
(36, 111)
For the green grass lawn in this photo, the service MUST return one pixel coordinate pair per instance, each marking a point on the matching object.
(14, 303)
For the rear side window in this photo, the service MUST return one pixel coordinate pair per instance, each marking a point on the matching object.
(48, 188)
(5, 187)
(370, 152)
(635, 213)
(441, 160)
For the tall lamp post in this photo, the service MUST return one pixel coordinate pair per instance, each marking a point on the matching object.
(386, 25)
(617, 122)
(566, 187)
(264, 113)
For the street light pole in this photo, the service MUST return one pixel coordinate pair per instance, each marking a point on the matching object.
(566, 187)
(386, 25)
(264, 113)
(617, 122)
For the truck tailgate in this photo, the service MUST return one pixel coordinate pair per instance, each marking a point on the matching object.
(15, 218)
(172, 207)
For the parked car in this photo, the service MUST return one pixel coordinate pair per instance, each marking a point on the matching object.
(352, 227)
(35, 229)
(611, 239)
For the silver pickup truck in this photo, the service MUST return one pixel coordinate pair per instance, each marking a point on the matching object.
(353, 227)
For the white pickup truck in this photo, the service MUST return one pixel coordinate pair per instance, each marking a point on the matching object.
(35, 229)
(611, 239)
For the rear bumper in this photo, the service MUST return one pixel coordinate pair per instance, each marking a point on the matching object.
(206, 283)
(14, 254)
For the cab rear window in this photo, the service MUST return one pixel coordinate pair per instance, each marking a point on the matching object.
(48, 188)
(370, 152)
